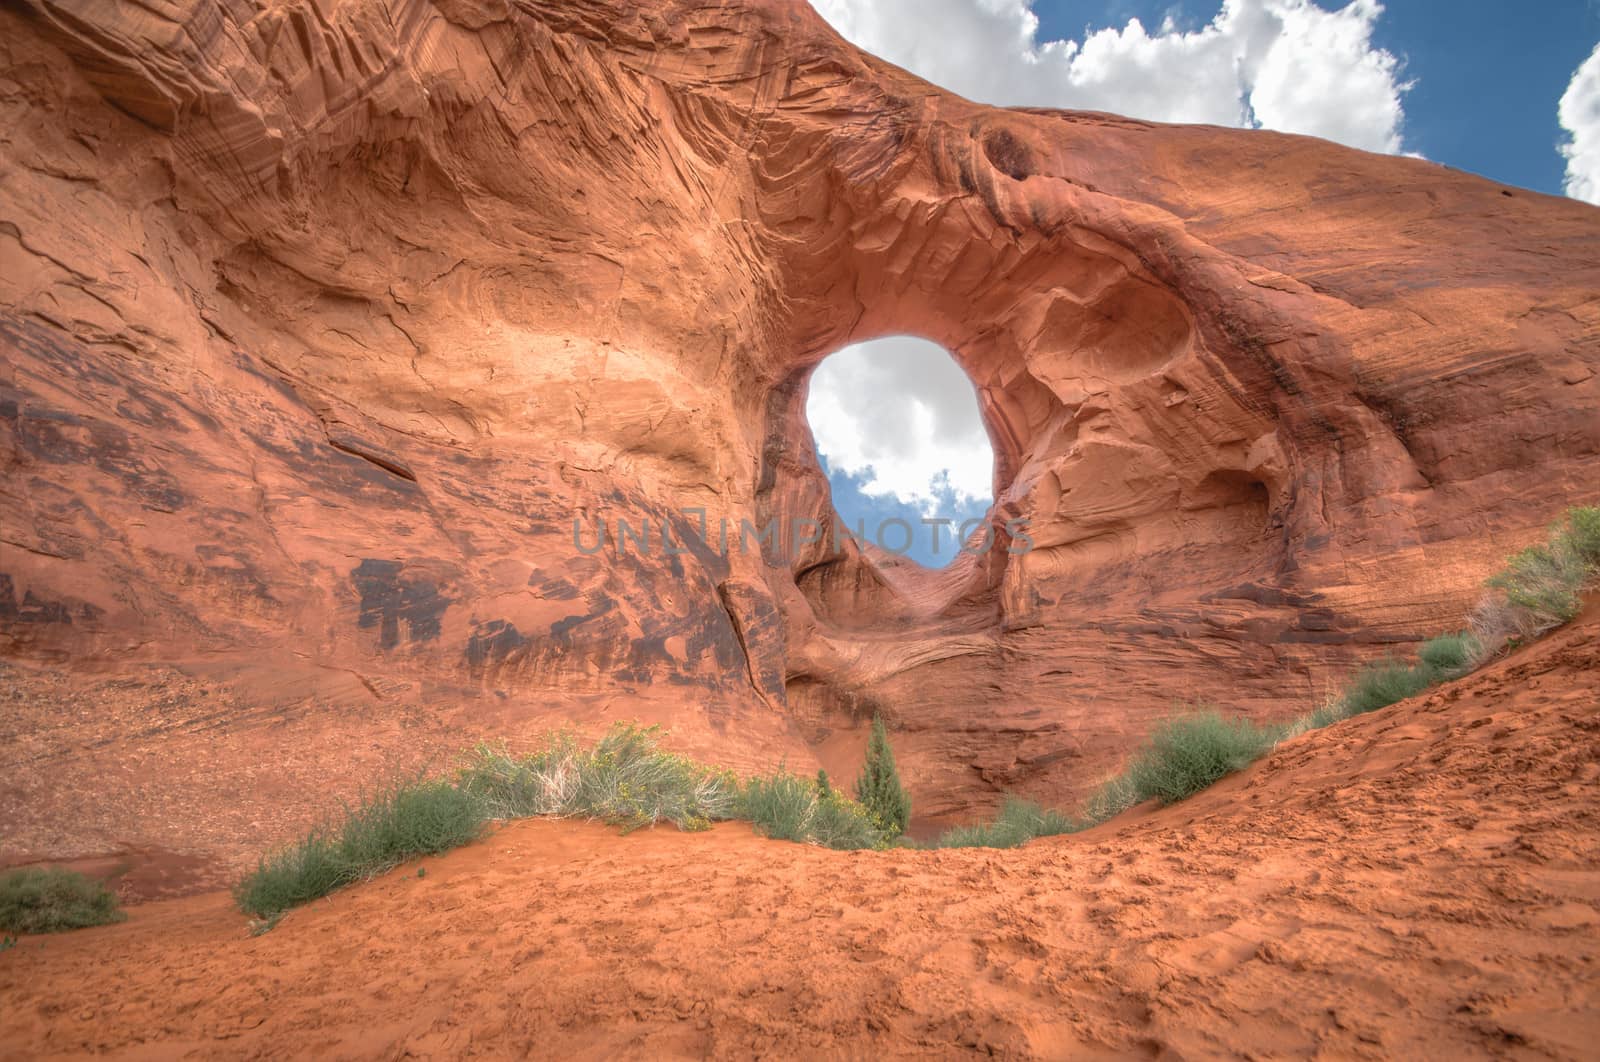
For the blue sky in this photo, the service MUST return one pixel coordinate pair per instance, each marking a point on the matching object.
(1510, 91)
(874, 514)
(1486, 74)
(1486, 78)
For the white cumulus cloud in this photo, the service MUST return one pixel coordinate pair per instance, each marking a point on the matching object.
(900, 413)
(1288, 65)
(1579, 115)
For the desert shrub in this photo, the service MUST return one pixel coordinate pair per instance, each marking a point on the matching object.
(824, 787)
(1381, 684)
(49, 900)
(842, 823)
(1325, 715)
(1182, 756)
(513, 787)
(1017, 822)
(973, 835)
(1374, 686)
(1543, 582)
(420, 818)
(1582, 533)
(879, 789)
(780, 805)
(1449, 655)
(1494, 623)
(1187, 753)
(405, 820)
(787, 807)
(626, 780)
(1541, 587)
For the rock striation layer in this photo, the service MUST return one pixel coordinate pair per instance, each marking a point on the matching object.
(323, 322)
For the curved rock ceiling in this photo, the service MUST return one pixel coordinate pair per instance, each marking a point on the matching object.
(324, 320)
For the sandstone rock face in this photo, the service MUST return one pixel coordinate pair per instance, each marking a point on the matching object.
(322, 321)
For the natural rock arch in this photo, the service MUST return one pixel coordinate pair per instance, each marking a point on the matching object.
(324, 330)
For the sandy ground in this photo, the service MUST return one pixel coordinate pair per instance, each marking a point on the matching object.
(1423, 882)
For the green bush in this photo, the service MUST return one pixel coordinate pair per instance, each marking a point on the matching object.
(1386, 682)
(841, 823)
(787, 807)
(1383, 683)
(780, 805)
(1541, 587)
(1582, 533)
(1183, 755)
(1449, 655)
(49, 900)
(401, 822)
(879, 789)
(625, 780)
(1543, 582)
(1018, 822)
(511, 787)
(1187, 753)
(1326, 715)
(629, 782)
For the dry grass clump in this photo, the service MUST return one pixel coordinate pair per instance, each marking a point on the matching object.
(1018, 822)
(399, 822)
(1540, 588)
(787, 807)
(52, 899)
(1183, 755)
(626, 779)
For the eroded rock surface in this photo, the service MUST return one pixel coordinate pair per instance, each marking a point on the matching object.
(321, 322)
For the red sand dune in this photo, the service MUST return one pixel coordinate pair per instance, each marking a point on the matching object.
(1420, 882)
(322, 320)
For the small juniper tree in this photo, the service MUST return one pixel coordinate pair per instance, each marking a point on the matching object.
(824, 787)
(879, 789)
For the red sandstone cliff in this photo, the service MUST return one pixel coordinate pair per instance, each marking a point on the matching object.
(321, 321)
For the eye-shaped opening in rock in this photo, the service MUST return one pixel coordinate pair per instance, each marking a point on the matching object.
(901, 439)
